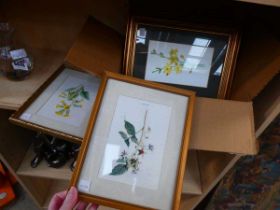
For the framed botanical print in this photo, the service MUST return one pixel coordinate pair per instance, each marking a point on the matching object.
(135, 148)
(61, 106)
(195, 57)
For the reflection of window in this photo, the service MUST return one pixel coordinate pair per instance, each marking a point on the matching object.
(201, 42)
(219, 70)
(199, 47)
(191, 64)
(141, 35)
(197, 51)
(111, 154)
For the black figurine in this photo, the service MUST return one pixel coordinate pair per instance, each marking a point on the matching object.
(55, 151)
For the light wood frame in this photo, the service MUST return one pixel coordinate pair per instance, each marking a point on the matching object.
(232, 33)
(91, 125)
(15, 118)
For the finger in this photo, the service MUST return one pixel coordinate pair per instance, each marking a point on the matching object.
(81, 205)
(92, 206)
(57, 200)
(70, 200)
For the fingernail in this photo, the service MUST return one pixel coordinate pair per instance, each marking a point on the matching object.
(72, 190)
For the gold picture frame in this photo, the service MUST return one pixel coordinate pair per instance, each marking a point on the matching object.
(209, 75)
(95, 185)
(35, 114)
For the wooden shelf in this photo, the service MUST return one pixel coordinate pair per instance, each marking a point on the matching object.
(257, 62)
(14, 93)
(52, 29)
(192, 183)
(213, 166)
(14, 141)
(42, 170)
(267, 105)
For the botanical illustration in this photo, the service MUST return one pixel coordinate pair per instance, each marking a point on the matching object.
(135, 148)
(72, 97)
(182, 64)
(67, 101)
(175, 63)
(130, 160)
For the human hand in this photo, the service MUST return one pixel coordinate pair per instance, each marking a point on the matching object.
(68, 201)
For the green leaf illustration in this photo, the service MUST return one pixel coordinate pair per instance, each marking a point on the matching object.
(157, 70)
(71, 89)
(63, 95)
(129, 128)
(127, 142)
(77, 105)
(123, 135)
(121, 161)
(119, 169)
(72, 95)
(134, 139)
(84, 94)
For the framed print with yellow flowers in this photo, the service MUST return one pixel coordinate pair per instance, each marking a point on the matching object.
(195, 57)
(61, 106)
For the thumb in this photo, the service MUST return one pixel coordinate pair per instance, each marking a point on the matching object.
(70, 200)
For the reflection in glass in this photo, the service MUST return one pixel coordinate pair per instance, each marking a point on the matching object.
(191, 64)
(141, 36)
(201, 42)
(112, 152)
(218, 72)
(197, 51)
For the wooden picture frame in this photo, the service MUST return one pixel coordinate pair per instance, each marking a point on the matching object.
(191, 56)
(92, 176)
(42, 114)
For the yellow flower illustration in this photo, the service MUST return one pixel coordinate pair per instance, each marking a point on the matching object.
(167, 69)
(174, 63)
(173, 56)
(64, 109)
(73, 97)
(178, 69)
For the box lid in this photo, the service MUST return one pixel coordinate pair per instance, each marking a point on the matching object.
(218, 125)
(224, 126)
(98, 48)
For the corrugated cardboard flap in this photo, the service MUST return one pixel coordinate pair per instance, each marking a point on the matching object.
(223, 125)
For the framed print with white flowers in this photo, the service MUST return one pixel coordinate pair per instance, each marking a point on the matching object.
(61, 106)
(134, 152)
(190, 56)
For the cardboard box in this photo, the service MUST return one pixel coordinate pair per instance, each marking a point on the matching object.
(218, 125)
(222, 126)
